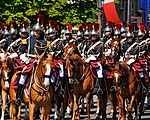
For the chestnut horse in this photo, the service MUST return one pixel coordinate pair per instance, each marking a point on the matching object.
(80, 77)
(41, 91)
(127, 86)
(6, 74)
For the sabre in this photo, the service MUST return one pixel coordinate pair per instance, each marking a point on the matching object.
(29, 38)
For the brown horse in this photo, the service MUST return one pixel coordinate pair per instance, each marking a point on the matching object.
(127, 86)
(41, 92)
(81, 79)
(7, 72)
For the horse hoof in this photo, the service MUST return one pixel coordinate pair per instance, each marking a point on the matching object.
(97, 116)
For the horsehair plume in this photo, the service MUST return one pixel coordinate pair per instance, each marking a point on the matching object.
(96, 26)
(142, 27)
(130, 27)
(69, 26)
(90, 27)
(41, 19)
(25, 23)
(124, 23)
(118, 26)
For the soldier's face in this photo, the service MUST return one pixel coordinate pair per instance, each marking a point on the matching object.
(108, 33)
(130, 39)
(37, 33)
(123, 34)
(51, 36)
(68, 36)
(94, 37)
(13, 35)
(86, 37)
(24, 35)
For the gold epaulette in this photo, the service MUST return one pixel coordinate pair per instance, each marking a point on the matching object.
(49, 44)
(24, 41)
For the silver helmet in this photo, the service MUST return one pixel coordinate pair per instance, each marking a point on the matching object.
(37, 26)
(94, 32)
(79, 33)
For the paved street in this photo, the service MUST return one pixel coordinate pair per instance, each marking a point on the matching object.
(83, 116)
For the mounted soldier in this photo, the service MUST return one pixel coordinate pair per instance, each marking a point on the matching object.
(93, 54)
(36, 46)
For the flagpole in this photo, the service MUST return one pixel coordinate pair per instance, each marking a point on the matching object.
(128, 12)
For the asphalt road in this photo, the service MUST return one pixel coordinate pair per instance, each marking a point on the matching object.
(83, 116)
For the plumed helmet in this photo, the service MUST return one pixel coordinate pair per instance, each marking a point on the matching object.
(79, 33)
(117, 32)
(86, 32)
(37, 26)
(140, 33)
(69, 29)
(122, 30)
(13, 31)
(129, 34)
(107, 29)
(94, 32)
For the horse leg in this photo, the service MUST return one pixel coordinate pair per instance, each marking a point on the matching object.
(19, 112)
(10, 111)
(46, 113)
(104, 100)
(88, 99)
(98, 111)
(141, 106)
(14, 111)
(113, 101)
(75, 107)
(121, 115)
(57, 106)
(32, 110)
(4, 97)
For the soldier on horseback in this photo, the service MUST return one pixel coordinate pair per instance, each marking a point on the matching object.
(37, 45)
(93, 53)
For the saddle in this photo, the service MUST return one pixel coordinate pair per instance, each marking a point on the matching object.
(110, 61)
(56, 62)
(137, 67)
(15, 83)
(94, 64)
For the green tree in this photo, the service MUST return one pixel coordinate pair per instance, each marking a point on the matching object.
(58, 10)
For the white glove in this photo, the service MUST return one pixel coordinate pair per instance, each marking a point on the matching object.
(2, 56)
(24, 58)
(6, 83)
(13, 55)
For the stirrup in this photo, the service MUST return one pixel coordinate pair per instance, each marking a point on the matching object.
(99, 91)
(18, 102)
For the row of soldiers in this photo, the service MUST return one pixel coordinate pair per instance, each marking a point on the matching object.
(27, 44)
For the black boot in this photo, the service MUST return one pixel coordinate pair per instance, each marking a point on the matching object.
(62, 80)
(19, 94)
(99, 90)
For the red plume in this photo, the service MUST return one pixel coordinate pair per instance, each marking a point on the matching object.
(118, 26)
(25, 22)
(41, 19)
(96, 26)
(142, 27)
(109, 23)
(14, 24)
(130, 26)
(89, 27)
(69, 26)
(124, 23)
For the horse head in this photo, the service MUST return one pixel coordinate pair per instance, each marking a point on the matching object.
(69, 50)
(74, 67)
(120, 73)
(44, 70)
(7, 71)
